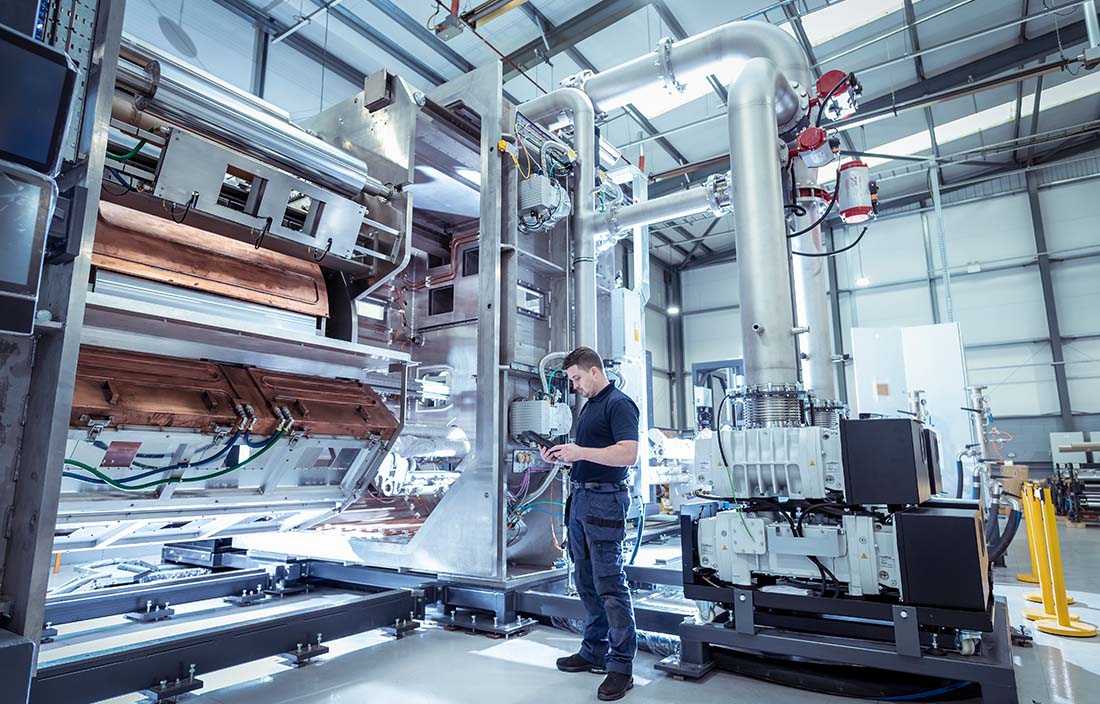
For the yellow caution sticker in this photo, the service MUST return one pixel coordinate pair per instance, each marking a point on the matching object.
(863, 556)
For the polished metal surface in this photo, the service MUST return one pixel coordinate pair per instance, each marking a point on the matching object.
(766, 321)
(196, 100)
(39, 372)
(190, 164)
(720, 51)
(548, 107)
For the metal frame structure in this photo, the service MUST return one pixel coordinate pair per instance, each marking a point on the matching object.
(43, 367)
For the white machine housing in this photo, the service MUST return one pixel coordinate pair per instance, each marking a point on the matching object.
(542, 416)
(859, 552)
(799, 463)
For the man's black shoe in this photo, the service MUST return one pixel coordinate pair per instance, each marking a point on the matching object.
(575, 663)
(615, 686)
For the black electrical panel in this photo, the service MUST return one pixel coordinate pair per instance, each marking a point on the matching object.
(943, 558)
(932, 459)
(884, 461)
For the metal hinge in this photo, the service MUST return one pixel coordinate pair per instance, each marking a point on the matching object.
(96, 425)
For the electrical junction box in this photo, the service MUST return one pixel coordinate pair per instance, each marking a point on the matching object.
(627, 338)
(540, 196)
(540, 416)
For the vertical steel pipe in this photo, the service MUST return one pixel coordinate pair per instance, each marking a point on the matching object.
(766, 324)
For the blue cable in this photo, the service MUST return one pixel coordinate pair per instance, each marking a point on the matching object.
(118, 177)
(248, 440)
(922, 695)
(548, 513)
(144, 475)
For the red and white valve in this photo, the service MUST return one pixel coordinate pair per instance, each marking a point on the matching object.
(857, 195)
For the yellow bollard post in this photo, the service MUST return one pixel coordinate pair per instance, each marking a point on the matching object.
(1033, 576)
(1063, 625)
(1034, 520)
(1038, 538)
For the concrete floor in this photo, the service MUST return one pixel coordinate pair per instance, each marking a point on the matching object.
(441, 667)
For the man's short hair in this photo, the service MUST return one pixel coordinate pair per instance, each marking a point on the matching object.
(584, 358)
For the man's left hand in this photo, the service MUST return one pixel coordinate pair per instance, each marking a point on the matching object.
(566, 453)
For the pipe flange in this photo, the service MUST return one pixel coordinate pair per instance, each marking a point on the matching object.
(664, 65)
(577, 80)
(152, 69)
(789, 130)
(770, 391)
(718, 194)
(613, 220)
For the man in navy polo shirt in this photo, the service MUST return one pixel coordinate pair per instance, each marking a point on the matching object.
(606, 447)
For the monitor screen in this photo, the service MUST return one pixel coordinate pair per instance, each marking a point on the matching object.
(36, 93)
(24, 207)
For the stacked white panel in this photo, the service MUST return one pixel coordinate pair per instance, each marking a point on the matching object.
(859, 552)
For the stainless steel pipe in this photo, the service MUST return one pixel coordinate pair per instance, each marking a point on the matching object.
(721, 51)
(675, 205)
(768, 344)
(546, 108)
(812, 301)
(193, 99)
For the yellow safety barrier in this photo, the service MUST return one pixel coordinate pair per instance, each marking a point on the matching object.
(1033, 576)
(1034, 518)
(1052, 580)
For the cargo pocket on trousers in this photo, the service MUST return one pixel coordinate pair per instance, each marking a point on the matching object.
(607, 558)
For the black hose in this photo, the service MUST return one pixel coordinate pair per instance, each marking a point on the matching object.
(959, 479)
(835, 252)
(996, 552)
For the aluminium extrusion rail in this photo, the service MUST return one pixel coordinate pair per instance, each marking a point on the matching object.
(125, 670)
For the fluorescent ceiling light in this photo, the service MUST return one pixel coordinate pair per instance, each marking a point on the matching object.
(673, 310)
(863, 281)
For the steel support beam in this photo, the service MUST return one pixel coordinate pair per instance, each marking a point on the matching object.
(547, 605)
(40, 371)
(380, 40)
(430, 38)
(1045, 278)
(272, 26)
(838, 329)
(258, 82)
(675, 295)
(124, 670)
(570, 33)
(930, 265)
(84, 606)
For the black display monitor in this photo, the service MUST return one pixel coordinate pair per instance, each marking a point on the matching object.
(36, 93)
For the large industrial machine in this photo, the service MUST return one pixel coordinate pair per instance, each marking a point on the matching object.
(334, 343)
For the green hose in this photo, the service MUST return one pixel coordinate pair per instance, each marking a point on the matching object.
(130, 154)
(173, 480)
